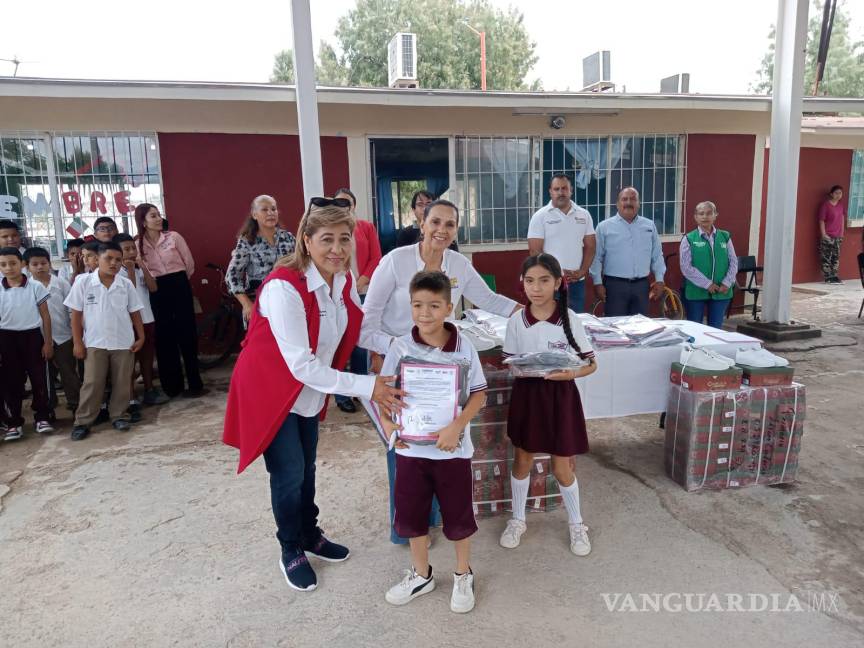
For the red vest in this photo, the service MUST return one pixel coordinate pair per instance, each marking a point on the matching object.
(263, 390)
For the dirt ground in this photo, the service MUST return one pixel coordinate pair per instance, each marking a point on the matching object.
(150, 539)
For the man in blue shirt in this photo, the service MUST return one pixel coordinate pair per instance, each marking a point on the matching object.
(628, 248)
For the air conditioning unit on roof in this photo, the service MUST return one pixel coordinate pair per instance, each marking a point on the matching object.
(597, 72)
(402, 61)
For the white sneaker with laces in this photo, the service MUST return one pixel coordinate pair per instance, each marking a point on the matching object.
(579, 542)
(512, 535)
(44, 427)
(13, 433)
(410, 587)
(759, 357)
(698, 358)
(462, 599)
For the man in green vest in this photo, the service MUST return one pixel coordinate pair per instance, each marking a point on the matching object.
(709, 265)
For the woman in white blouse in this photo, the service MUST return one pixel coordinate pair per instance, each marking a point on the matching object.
(387, 309)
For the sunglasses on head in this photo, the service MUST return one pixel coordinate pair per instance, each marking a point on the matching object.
(318, 201)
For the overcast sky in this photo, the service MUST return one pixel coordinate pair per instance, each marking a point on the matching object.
(719, 42)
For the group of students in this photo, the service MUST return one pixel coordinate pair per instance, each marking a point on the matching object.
(308, 317)
(90, 322)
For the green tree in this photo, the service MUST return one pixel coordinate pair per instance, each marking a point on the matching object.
(448, 53)
(844, 68)
(283, 67)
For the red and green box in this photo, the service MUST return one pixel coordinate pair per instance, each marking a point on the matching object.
(706, 380)
(767, 376)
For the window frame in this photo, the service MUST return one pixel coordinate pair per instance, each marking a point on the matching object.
(855, 199)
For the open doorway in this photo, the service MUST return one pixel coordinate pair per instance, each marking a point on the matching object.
(401, 167)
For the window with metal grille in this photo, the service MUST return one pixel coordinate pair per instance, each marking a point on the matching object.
(58, 184)
(855, 213)
(501, 182)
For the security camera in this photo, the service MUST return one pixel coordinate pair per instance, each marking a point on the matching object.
(557, 122)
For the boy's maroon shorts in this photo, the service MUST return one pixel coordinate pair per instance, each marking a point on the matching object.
(417, 480)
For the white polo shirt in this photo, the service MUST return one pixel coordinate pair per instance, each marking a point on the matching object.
(143, 295)
(19, 305)
(526, 334)
(61, 326)
(387, 309)
(107, 324)
(562, 233)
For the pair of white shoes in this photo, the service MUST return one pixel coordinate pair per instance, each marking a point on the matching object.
(700, 358)
(759, 357)
(579, 542)
(414, 585)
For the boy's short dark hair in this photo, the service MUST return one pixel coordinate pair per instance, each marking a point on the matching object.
(433, 281)
(36, 252)
(9, 251)
(110, 245)
(8, 224)
(104, 219)
(91, 246)
(76, 242)
(123, 237)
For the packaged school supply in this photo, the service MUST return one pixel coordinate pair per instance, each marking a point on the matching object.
(539, 363)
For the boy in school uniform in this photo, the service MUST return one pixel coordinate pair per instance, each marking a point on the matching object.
(39, 264)
(442, 470)
(90, 256)
(106, 333)
(74, 265)
(25, 345)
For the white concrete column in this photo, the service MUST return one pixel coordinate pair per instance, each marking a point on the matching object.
(786, 111)
(307, 102)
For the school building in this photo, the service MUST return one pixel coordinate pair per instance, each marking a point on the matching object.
(74, 150)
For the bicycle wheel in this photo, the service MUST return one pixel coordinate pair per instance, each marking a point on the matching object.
(671, 306)
(219, 335)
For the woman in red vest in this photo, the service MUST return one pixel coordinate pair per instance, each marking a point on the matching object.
(305, 322)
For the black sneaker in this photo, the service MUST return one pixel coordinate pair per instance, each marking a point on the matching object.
(102, 416)
(121, 425)
(325, 550)
(80, 432)
(134, 412)
(346, 406)
(196, 393)
(297, 571)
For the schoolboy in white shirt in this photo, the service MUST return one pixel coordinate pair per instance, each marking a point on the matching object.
(107, 331)
(25, 345)
(39, 264)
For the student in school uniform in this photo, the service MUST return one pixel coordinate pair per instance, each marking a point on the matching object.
(387, 309)
(546, 413)
(107, 332)
(74, 265)
(89, 258)
(305, 322)
(442, 470)
(25, 345)
(39, 263)
(144, 285)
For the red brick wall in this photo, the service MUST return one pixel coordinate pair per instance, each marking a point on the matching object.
(210, 180)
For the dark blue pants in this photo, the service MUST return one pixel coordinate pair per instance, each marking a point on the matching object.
(576, 296)
(290, 460)
(625, 297)
(695, 309)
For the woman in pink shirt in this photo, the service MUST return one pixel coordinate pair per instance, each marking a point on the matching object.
(167, 257)
(832, 217)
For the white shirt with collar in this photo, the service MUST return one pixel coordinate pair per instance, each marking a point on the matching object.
(107, 321)
(19, 305)
(527, 334)
(283, 307)
(143, 295)
(562, 233)
(61, 326)
(387, 309)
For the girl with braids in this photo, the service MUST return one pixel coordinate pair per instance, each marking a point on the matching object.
(546, 413)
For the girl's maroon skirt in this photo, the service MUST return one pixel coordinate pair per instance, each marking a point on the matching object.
(546, 417)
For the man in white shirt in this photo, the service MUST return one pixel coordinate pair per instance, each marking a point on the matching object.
(565, 230)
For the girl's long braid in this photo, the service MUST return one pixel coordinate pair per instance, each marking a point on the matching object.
(564, 310)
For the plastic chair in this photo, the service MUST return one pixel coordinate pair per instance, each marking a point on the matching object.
(861, 272)
(747, 264)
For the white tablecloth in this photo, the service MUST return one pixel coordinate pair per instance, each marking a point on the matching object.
(635, 380)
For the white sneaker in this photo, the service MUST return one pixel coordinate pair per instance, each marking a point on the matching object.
(44, 427)
(698, 358)
(512, 535)
(759, 357)
(579, 542)
(410, 587)
(462, 599)
(13, 433)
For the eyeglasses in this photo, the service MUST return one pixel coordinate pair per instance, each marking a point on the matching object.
(318, 201)
(105, 228)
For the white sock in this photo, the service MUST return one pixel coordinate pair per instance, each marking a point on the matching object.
(570, 494)
(519, 487)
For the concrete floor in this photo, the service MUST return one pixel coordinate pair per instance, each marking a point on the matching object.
(149, 539)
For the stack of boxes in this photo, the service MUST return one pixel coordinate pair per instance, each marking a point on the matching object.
(719, 435)
(493, 453)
